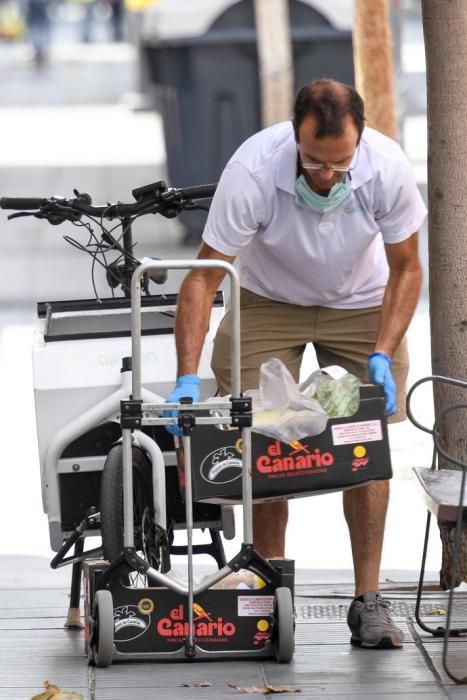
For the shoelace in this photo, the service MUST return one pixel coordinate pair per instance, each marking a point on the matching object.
(380, 606)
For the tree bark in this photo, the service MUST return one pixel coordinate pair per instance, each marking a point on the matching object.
(374, 74)
(447, 533)
(445, 29)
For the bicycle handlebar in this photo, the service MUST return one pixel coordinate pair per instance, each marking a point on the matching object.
(154, 198)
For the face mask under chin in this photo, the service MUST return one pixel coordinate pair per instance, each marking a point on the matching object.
(319, 203)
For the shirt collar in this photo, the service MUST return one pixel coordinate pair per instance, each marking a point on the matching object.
(287, 166)
(362, 172)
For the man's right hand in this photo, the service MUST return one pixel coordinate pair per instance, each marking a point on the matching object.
(187, 385)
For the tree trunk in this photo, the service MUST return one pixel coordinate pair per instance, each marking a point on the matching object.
(447, 533)
(374, 74)
(396, 17)
(445, 30)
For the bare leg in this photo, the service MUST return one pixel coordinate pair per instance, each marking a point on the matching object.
(365, 511)
(269, 524)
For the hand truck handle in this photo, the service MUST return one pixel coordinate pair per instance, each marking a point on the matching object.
(136, 314)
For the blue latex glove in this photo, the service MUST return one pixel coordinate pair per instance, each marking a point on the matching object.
(379, 372)
(187, 385)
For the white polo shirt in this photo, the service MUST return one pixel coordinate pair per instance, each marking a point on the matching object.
(286, 251)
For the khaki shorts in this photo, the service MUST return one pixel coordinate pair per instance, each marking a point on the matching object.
(274, 329)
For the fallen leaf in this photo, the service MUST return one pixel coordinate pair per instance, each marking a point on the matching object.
(267, 690)
(49, 692)
(437, 611)
(53, 692)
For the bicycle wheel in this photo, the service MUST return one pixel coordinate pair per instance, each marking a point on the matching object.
(111, 509)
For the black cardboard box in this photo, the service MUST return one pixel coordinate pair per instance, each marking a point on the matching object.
(156, 620)
(350, 452)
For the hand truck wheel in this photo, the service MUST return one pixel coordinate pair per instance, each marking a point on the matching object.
(102, 639)
(283, 625)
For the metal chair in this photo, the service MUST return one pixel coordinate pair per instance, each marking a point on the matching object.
(444, 493)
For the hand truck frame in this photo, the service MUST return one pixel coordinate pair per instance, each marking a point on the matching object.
(276, 614)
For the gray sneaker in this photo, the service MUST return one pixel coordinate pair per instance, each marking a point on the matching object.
(371, 624)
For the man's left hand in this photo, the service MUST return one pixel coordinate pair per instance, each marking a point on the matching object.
(379, 372)
(187, 386)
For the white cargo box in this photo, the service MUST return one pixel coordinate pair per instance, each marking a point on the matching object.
(77, 357)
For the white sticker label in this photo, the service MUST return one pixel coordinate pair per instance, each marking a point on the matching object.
(255, 605)
(363, 431)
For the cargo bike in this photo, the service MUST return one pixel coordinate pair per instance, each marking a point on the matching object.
(108, 466)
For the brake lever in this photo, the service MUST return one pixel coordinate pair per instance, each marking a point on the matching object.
(55, 215)
(17, 214)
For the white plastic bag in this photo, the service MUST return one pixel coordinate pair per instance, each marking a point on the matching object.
(280, 409)
(337, 391)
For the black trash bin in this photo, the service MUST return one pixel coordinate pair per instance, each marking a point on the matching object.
(208, 92)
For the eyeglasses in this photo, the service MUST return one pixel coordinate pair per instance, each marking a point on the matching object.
(317, 166)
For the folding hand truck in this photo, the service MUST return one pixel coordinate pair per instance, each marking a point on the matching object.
(168, 620)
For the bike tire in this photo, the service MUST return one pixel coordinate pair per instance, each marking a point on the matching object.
(111, 505)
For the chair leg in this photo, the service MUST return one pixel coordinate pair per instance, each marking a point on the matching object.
(455, 561)
(435, 631)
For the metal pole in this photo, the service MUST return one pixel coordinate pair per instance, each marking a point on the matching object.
(235, 381)
(247, 487)
(128, 529)
(189, 531)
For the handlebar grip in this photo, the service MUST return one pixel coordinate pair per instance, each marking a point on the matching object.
(21, 203)
(199, 191)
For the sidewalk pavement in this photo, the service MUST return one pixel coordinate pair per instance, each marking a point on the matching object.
(34, 646)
